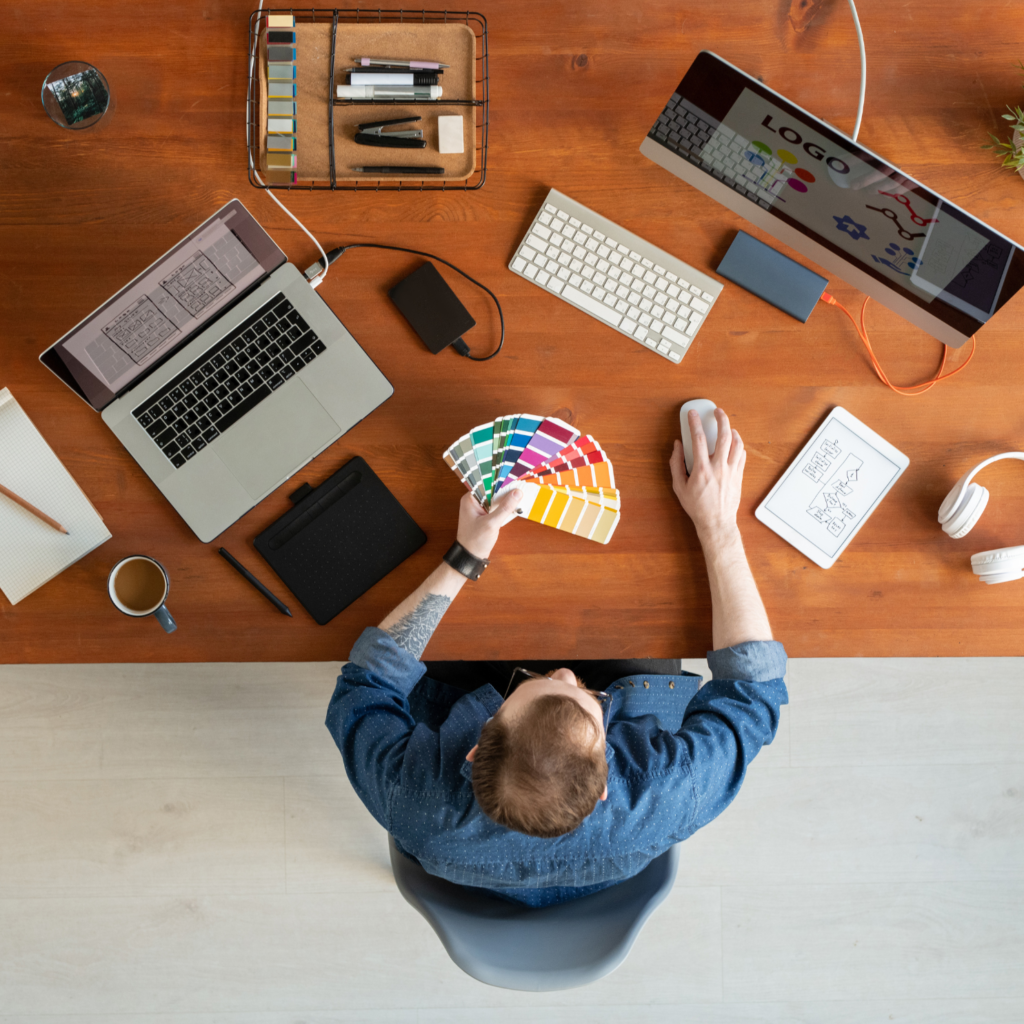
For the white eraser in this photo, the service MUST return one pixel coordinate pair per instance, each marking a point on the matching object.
(449, 134)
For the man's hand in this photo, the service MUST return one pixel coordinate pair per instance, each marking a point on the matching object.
(710, 494)
(478, 528)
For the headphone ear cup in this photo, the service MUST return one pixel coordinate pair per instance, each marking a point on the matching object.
(968, 512)
(999, 565)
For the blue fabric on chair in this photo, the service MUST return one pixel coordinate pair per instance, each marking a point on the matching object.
(536, 950)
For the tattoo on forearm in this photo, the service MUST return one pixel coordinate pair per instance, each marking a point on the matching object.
(414, 630)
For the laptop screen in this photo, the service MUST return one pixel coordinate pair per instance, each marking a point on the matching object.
(804, 173)
(167, 304)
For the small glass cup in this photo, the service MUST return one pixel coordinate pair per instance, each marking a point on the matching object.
(75, 95)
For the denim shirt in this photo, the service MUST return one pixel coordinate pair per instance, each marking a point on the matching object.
(674, 764)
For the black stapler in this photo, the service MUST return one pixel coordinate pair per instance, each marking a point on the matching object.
(372, 134)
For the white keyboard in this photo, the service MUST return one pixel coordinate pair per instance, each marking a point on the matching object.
(615, 276)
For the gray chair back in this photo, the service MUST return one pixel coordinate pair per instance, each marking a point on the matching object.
(536, 949)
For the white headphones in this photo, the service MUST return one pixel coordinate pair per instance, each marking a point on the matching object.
(962, 508)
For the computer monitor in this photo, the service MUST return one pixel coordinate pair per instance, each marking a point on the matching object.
(839, 204)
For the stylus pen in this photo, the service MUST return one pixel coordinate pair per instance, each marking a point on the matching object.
(278, 604)
(426, 65)
(399, 170)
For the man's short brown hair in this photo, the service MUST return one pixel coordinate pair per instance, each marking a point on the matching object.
(542, 772)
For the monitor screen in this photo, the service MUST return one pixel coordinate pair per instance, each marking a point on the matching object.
(785, 169)
(168, 303)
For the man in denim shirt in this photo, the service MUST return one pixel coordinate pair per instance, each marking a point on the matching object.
(483, 792)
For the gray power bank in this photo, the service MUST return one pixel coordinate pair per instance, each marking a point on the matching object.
(771, 276)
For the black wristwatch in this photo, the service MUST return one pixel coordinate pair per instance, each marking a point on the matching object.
(462, 561)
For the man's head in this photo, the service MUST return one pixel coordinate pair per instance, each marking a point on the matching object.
(539, 766)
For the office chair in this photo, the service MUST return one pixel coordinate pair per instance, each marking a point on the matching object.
(535, 949)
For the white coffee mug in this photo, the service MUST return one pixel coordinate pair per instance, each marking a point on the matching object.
(138, 586)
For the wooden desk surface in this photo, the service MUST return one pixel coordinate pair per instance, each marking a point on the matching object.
(575, 86)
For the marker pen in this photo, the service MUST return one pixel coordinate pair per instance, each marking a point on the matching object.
(389, 92)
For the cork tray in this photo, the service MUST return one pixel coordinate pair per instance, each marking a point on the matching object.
(452, 44)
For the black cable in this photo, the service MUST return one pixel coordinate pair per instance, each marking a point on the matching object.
(335, 253)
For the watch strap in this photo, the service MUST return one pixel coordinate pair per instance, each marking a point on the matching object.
(462, 561)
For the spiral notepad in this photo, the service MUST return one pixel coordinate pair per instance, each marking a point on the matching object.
(567, 480)
(31, 552)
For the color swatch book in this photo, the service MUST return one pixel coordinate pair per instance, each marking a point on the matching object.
(567, 479)
(32, 552)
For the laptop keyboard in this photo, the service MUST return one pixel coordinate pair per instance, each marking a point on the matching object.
(228, 380)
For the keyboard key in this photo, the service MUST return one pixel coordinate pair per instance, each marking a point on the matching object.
(627, 325)
(555, 285)
(707, 297)
(177, 460)
(287, 371)
(700, 305)
(528, 254)
(640, 333)
(319, 346)
(296, 364)
(276, 381)
(542, 277)
(675, 356)
(592, 306)
(664, 346)
(673, 335)
(188, 451)
(209, 435)
(549, 208)
(531, 271)
(166, 437)
(199, 444)
(308, 355)
(645, 319)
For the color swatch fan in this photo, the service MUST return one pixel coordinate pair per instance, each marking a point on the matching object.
(567, 480)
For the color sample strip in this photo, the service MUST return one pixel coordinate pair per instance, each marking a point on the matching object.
(550, 437)
(278, 71)
(577, 449)
(503, 427)
(560, 465)
(279, 90)
(281, 125)
(465, 466)
(606, 496)
(482, 438)
(281, 54)
(598, 474)
(280, 108)
(571, 514)
(280, 143)
(287, 38)
(280, 21)
(525, 428)
(281, 161)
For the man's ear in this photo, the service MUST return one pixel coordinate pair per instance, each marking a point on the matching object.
(472, 754)
(604, 795)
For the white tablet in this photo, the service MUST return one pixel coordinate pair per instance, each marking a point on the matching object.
(832, 487)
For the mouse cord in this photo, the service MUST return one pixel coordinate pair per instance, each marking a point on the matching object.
(464, 350)
(909, 390)
(317, 280)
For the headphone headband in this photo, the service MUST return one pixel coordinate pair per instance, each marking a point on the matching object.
(950, 502)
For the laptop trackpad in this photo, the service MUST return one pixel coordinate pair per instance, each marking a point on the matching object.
(276, 438)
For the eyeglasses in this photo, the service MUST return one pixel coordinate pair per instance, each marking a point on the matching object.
(602, 698)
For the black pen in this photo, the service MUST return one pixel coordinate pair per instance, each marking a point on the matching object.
(278, 604)
(399, 170)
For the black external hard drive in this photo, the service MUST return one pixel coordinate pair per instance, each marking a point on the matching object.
(432, 308)
(771, 276)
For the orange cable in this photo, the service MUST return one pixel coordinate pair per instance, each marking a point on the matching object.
(909, 390)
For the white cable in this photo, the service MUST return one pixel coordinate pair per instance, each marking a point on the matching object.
(316, 281)
(863, 69)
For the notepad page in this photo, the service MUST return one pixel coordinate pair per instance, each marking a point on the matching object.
(31, 552)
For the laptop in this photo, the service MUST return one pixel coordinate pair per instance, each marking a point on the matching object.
(220, 370)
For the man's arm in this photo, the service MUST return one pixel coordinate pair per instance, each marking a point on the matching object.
(710, 495)
(413, 622)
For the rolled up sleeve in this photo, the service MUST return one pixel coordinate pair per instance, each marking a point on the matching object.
(369, 716)
(730, 719)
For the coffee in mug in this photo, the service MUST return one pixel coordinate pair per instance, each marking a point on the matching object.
(138, 586)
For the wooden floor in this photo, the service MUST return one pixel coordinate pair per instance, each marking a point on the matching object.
(179, 845)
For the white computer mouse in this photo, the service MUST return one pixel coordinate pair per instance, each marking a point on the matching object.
(705, 409)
